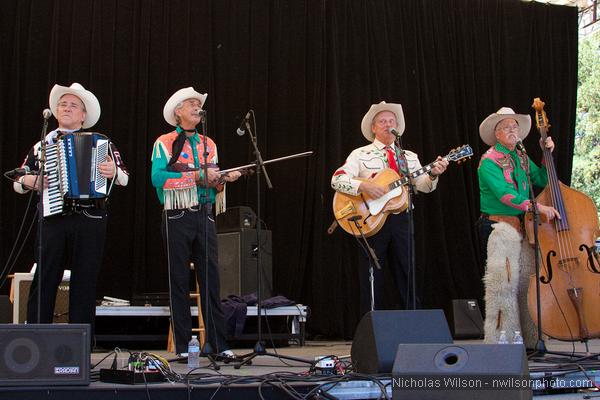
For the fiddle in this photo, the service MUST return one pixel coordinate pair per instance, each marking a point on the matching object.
(182, 167)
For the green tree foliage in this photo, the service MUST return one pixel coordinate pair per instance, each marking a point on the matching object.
(586, 159)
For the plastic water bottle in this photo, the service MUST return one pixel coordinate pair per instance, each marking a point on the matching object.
(502, 339)
(193, 353)
(517, 339)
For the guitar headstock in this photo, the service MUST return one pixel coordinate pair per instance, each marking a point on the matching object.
(461, 153)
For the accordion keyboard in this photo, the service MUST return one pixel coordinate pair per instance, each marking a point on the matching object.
(101, 153)
(53, 195)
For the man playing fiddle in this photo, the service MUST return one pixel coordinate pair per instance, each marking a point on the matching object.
(189, 208)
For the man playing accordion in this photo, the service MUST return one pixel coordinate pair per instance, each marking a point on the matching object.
(74, 237)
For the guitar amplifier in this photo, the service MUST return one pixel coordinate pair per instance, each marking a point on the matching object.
(235, 219)
(20, 286)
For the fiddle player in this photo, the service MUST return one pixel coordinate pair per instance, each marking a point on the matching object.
(74, 239)
(391, 243)
(189, 212)
(504, 194)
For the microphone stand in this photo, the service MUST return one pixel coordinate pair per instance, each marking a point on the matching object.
(540, 346)
(206, 350)
(411, 227)
(40, 182)
(370, 255)
(259, 347)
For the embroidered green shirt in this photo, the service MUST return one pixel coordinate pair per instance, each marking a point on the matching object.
(159, 173)
(503, 185)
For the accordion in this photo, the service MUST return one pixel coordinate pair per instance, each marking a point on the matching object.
(72, 169)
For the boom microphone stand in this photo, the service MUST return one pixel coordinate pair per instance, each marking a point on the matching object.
(400, 155)
(259, 347)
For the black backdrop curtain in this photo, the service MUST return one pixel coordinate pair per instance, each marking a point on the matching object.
(310, 70)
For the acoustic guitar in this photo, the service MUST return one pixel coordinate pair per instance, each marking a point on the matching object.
(369, 213)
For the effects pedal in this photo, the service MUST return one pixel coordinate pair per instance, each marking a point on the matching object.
(324, 365)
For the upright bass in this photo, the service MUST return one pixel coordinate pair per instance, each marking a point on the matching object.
(569, 274)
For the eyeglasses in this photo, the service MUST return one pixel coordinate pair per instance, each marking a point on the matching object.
(193, 103)
(384, 121)
(508, 128)
(67, 104)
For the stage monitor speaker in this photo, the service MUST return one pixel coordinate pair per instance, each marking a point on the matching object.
(236, 218)
(44, 354)
(379, 333)
(466, 371)
(238, 259)
(21, 285)
(467, 322)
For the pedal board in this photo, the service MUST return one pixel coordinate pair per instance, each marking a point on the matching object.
(130, 377)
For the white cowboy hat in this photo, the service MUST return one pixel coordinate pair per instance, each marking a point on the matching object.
(375, 109)
(91, 103)
(178, 97)
(488, 126)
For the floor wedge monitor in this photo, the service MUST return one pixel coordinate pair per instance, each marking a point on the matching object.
(461, 372)
(380, 332)
(467, 322)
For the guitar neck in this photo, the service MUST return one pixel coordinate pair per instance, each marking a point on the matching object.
(413, 175)
(425, 169)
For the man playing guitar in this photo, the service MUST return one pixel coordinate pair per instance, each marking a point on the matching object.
(380, 125)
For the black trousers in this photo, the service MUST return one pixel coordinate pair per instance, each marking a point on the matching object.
(391, 245)
(75, 242)
(183, 235)
(484, 230)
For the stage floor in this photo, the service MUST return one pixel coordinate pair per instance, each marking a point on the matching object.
(271, 377)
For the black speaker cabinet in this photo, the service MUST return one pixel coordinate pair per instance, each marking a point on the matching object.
(466, 371)
(5, 310)
(467, 322)
(236, 218)
(379, 333)
(44, 354)
(238, 259)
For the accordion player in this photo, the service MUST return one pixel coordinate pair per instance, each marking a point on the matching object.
(72, 169)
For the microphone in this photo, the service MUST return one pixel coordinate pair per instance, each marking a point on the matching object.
(354, 218)
(46, 113)
(241, 131)
(520, 147)
(394, 132)
(201, 112)
(21, 172)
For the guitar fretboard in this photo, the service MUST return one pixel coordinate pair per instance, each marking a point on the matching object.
(413, 175)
